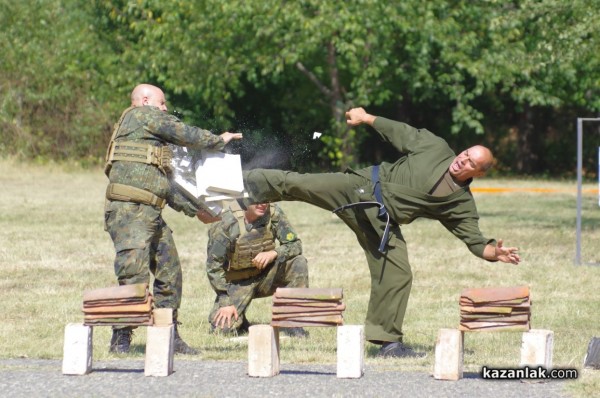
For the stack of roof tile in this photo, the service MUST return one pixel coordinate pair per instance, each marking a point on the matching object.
(497, 309)
(127, 305)
(300, 307)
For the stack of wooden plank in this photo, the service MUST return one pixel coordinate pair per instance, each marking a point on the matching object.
(127, 305)
(300, 307)
(497, 309)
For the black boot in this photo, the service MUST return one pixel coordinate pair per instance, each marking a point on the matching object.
(295, 332)
(181, 346)
(121, 340)
(398, 350)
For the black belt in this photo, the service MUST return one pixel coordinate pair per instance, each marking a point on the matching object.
(378, 197)
(383, 213)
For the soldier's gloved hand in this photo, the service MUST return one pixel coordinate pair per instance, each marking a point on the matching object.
(224, 315)
(263, 259)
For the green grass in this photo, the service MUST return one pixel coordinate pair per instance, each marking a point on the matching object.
(53, 246)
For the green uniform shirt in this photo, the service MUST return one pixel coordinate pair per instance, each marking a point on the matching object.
(405, 183)
(221, 242)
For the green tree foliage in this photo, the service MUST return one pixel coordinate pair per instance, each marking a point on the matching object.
(337, 54)
(511, 74)
(543, 62)
(51, 105)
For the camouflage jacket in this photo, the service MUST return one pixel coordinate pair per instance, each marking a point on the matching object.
(221, 242)
(150, 125)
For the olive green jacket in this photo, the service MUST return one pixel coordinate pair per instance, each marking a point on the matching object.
(405, 183)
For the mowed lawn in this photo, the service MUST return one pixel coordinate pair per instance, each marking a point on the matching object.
(53, 247)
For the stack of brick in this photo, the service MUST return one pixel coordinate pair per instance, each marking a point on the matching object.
(497, 309)
(301, 307)
(127, 305)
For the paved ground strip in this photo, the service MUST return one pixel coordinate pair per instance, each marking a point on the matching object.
(125, 378)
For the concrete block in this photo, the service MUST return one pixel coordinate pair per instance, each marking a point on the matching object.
(77, 349)
(163, 316)
(263, 351)
(449, 351)
(350, 351)
(536, 348)
(159, 351)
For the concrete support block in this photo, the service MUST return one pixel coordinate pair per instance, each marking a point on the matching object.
(350, 351)
(449, 350)
(263, 351)
(77, 349)
(159, 350)
(163, 316)
(537, 347)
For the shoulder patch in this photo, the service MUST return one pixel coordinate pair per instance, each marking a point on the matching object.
(290, 236)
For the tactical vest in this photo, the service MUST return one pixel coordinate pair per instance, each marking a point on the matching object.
(131, 151)
(249, 244)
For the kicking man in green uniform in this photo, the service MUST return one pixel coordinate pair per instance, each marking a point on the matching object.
(428, 180)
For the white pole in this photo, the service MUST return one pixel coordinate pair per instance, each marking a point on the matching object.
(579, 182)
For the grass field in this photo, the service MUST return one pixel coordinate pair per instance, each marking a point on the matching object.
(53, 246)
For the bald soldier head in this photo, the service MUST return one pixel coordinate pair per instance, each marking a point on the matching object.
(472, 162)
(147, 94)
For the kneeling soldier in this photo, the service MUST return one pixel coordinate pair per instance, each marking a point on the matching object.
(244, 263)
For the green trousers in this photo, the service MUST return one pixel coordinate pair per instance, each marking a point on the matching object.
(391, 276)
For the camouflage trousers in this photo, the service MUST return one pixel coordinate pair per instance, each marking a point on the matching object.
(144, 245)
(292, 273)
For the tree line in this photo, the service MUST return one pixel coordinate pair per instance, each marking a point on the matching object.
(513, 75)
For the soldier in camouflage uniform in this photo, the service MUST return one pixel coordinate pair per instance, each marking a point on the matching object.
(244, 263)
(138, 161)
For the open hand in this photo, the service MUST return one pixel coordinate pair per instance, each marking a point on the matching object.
(507, 254)
(224, 315)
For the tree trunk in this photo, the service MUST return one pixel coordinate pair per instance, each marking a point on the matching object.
(334, 95)
(526, 142)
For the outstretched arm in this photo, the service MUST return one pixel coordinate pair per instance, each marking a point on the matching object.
(501, 253)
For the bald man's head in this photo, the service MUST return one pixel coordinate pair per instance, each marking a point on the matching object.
(148, 95)
(472, 162)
